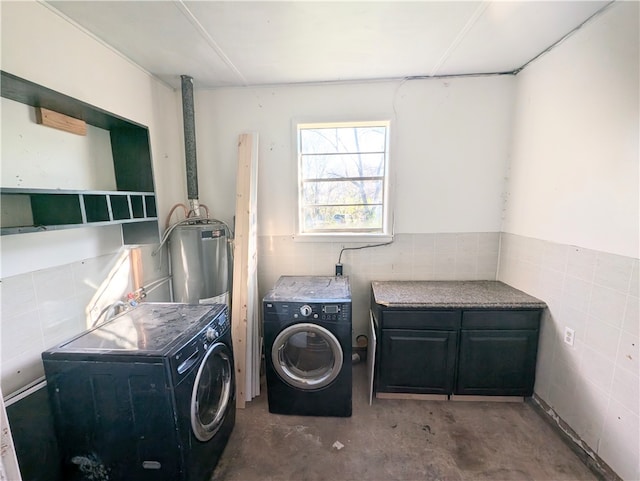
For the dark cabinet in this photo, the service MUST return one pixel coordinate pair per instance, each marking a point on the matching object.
(458, 351)
(497, 354)
(497, 363)
(418, 350)
(418, 361)
(454, 338)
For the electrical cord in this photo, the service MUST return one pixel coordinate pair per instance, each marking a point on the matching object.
(361, 247)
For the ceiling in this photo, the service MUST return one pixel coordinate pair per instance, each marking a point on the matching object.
(240, 43)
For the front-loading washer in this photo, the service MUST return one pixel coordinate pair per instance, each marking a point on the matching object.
(307, 339)
(148, 395)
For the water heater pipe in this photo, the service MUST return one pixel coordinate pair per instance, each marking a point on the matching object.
(190, 142)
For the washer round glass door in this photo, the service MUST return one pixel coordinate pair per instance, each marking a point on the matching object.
(307, 356)
(211, 392)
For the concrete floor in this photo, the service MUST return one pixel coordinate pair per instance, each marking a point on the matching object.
(398, 440)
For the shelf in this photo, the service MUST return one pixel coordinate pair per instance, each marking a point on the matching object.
(37, 210)
(132, 204)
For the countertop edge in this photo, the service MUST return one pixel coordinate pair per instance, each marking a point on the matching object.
(471, 305)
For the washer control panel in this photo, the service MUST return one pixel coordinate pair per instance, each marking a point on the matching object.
(189, 355)
(311, 311)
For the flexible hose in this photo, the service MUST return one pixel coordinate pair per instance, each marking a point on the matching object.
(184, 207)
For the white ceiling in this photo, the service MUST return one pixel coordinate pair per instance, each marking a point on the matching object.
(231, 43)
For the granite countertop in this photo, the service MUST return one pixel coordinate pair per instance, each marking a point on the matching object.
(452, 294)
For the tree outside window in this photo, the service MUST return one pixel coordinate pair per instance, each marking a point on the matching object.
(342, 174)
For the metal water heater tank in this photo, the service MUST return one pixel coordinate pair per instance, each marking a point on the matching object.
(200, 262)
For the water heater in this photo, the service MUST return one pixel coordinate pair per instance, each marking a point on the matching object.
(200, 262)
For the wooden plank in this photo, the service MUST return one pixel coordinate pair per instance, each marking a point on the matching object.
(254, 351)
(137, 273)
(412, 396)
(242, 327)
(60, 121)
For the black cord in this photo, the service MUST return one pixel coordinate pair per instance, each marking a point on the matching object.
(361, 247)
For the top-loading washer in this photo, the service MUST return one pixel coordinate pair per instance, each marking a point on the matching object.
(307, 339)
(148, 395)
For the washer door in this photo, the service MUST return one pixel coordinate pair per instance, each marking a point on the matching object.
(211, 392)
(307, 356)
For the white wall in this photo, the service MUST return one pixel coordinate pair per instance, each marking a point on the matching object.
(448, 156)
(35, 156)
(574, 171)
(45, 158)
(571, 229)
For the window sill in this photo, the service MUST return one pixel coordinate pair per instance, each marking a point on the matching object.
(344, 238)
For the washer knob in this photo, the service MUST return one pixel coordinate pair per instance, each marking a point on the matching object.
(305, 310)
(211, 334)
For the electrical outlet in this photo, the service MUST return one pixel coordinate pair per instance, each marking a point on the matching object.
(569, 335)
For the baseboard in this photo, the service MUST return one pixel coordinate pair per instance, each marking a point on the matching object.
(412, 396)
(500, 399)
(594, 462)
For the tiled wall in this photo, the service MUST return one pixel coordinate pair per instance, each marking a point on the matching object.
(594, 385)
(465, 256)
(43, 308)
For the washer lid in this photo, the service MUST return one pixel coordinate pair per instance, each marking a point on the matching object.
(147, 327)
(310, 289)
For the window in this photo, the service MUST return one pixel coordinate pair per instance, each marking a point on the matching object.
(343, 178)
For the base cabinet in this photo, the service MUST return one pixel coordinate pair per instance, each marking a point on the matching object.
(462, 352)
(497, 363)
(418, 361)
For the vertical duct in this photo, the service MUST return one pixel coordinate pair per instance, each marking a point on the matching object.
(190, 142)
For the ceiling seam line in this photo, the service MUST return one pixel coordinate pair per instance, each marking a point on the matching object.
(209, 39)
(463, 33)
(363, 81)
(565, 37)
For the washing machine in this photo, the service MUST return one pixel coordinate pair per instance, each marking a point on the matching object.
(307, 340)
(148, 395)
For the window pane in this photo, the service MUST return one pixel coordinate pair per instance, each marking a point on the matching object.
(343, 139)
(343, 176)
(343, 218)
(343, 192)
(342, 165)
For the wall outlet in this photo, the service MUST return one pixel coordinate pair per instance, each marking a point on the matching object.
(569, 336)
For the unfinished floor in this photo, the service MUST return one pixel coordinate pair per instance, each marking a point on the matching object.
(398, 440)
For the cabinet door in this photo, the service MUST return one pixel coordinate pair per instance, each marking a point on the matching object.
(417, 361)
(497, 362)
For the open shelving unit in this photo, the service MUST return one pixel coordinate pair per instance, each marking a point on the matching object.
(132, 205)
(64, 209)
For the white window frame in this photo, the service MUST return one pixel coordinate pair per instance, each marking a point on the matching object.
(345, 235)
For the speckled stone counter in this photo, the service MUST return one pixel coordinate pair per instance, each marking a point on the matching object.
(452, 295)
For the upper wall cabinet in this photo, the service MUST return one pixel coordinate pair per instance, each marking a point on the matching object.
(133, 204)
